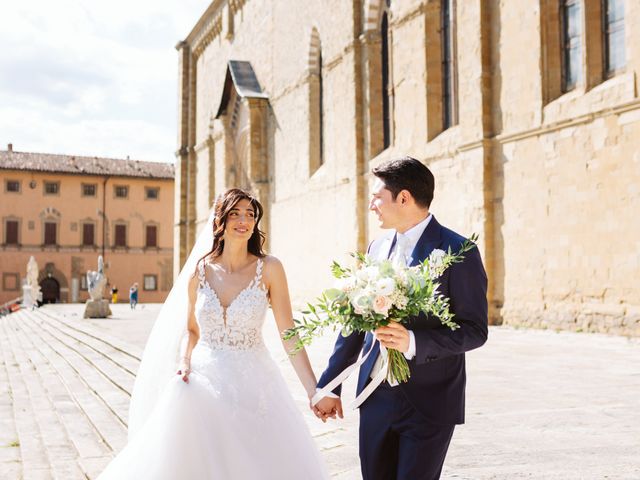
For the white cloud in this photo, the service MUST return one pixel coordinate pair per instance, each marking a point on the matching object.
(92, 78)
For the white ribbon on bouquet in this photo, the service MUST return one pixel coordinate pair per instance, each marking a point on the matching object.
(371, 386)
(399, 255)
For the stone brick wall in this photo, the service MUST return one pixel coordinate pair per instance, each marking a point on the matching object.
(549, 180)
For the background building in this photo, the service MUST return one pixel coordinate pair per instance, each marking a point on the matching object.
(66, 211)
(527, 113)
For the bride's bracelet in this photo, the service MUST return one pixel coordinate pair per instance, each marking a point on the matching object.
(187, 359)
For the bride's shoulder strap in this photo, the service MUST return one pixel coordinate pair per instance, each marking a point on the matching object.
(259, 267)
(201, 274)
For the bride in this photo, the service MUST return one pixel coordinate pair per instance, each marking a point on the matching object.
(227, 413)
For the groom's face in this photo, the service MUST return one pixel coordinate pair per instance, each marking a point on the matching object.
(386, 208)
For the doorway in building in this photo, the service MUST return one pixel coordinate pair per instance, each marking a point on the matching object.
(50, 289)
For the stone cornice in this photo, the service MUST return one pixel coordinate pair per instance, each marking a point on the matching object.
(570, 122)
(550, 127)
(214, 9)
(211, 31)
(207, 28)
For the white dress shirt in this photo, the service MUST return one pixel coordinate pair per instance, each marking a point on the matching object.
(406, 242)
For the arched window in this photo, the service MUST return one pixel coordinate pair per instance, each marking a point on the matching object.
(321, 107)
(449, 94)
(377, 41)
(582, 44)
(571, 34)
(316, 74)
(386, 104)
(613, 36)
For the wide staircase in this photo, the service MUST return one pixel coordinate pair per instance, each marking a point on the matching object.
(64, 396)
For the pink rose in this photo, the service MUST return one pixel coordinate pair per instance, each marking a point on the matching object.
(381, 305)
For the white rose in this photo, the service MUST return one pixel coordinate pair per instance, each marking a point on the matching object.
(436, 263)
(373, 271)
(436, 258)
(385, 286)
(361, 301)
(362, 275)
(381, 305)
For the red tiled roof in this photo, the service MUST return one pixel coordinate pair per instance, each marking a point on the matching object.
(47, 162)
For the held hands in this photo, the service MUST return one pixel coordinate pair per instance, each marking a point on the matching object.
(326, 408)
(394, 336)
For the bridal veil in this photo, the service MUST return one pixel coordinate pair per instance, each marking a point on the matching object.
(162, 351)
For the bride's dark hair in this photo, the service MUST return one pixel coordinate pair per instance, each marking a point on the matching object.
(223, 206)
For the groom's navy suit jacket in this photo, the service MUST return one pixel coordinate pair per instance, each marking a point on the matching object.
(437, 384)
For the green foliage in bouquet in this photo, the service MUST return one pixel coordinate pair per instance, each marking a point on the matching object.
(373, 293)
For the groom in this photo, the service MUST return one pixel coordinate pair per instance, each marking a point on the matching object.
(405, 429)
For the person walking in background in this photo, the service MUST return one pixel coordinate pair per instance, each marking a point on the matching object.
(133, 296)
(114, 294)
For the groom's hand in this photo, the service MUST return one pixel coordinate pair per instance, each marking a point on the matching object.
(394, 336)
(327, 408)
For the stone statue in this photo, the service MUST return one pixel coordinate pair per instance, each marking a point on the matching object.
(31, 289)
(97, 307)
(97, 281)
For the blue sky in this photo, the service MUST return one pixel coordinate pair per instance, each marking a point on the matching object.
(92, 78)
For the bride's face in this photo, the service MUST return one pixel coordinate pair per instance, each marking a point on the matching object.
(241, 221)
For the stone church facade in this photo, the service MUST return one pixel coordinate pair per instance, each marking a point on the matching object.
(528, 117)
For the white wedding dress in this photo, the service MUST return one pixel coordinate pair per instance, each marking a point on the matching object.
(235, 419)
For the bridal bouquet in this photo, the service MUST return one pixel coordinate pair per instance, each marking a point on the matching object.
(372, 293)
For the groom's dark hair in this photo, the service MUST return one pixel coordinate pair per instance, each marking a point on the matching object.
(407, 173)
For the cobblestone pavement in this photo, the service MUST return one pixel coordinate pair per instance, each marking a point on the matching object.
(540, 404)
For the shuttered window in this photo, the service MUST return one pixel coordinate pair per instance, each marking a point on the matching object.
(11, 228)
(152, 237)
(50, 233)
(121, 236)
(88, 237)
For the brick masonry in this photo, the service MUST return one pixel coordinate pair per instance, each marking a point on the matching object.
(548, 179)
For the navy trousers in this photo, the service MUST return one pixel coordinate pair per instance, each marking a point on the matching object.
(396, 443)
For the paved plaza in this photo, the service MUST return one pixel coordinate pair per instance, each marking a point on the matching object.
(540, 404)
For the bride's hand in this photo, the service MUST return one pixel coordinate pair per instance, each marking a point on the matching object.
(327, 407)
(184, 371)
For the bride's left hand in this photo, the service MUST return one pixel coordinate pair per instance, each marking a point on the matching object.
(184, 372)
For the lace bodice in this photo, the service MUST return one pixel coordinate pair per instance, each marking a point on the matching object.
(239, 326)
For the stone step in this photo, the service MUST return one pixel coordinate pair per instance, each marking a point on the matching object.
(127, 356)
(10, 460)
(84, 384)
(84, 362)
(33, 455)
(60, 450)
(87, 442)
(87, 329)
(96, 355)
